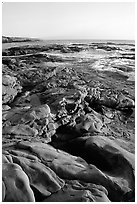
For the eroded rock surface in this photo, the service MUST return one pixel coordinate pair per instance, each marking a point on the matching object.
(29, 122)
(68, 123)
(10, 88)
(16, 186)
(74, 191)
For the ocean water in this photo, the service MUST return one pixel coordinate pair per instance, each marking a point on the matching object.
(104, 60)
(90, 41)
(46, 42)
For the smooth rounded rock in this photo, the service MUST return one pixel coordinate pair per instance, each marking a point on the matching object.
(16, 184)
(41, 177)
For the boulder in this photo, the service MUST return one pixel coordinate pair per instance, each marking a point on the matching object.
(120, 161)
(10, 88)
(56, 104)
(70, 167)
(16, 187)
(107, 146)
(109, 157)
(41, 177)
(32, 121)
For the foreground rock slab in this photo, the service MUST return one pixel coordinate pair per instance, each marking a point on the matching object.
(39, 160)
(75, 191)
(16, 186)
(114, 161)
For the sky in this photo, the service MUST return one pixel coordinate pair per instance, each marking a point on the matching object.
(69, 20)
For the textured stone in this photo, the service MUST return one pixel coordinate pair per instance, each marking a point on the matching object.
(73, 191)
(5, 107)
(89, 123)
(71, 167)
(109, 99)
(10, 88)
(125, 102)
(20, 129)
(6, 159)
(75, 102)
(42, 178)
(110, 158)
(35, 121)
(17, 188)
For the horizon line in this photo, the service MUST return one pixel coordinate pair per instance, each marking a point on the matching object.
(39, 38)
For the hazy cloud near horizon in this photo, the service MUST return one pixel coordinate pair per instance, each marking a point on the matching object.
(70, 20)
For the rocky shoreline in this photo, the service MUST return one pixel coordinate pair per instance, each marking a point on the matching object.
(68, 116)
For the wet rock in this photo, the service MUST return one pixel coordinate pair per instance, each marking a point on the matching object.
(16, 186)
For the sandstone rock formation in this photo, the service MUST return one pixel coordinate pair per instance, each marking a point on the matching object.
(68, 123)
(16, 186)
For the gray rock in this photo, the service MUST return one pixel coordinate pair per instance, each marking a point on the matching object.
(119, 162)
(71, 167)
(41, 177)
(10, 88)
(35, 121)
(73, 191)
(16, 187)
